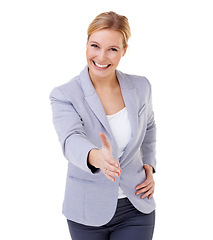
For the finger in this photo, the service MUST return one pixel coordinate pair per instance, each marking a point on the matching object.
(151, 191)
(151, 195)
(109, 176)
(109, 162)
(112, 173)
(144, 189)
(111, 170)
(144, 184)
(104, 140)
(112, 163)
(113, 166)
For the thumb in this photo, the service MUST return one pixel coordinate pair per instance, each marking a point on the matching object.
(104, 140)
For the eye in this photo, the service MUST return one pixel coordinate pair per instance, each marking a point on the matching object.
(113, 49)
(94, 45)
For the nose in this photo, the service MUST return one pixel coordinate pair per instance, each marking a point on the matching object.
(102, 56)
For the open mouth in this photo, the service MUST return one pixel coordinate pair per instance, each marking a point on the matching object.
(101, 66)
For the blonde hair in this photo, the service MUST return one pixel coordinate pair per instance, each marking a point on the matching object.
(111, 20)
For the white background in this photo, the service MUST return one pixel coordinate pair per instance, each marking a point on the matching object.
(43, 46)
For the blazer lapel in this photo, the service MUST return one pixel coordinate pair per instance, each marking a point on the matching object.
(131, 102)
(93, 100)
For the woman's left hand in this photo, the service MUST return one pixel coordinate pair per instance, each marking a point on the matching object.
(148, 186)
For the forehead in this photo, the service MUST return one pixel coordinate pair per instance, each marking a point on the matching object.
(107, 37)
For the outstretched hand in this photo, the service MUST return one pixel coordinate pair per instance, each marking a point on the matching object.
(103, 159)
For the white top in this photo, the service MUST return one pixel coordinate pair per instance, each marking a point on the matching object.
(121, 129)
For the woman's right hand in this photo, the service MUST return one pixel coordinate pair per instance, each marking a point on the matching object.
(103, 159)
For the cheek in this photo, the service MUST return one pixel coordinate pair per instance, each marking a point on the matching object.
(116, 58)
(89, 53)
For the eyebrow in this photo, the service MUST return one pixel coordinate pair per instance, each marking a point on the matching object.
(99, 44)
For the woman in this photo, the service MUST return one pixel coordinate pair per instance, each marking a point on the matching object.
(106, 128)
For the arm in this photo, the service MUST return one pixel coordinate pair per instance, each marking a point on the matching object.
(75, 145)
(148, 152)
(70, 130)
(148, 147)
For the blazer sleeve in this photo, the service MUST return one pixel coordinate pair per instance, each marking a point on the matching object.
(70, 130)
(148, 146)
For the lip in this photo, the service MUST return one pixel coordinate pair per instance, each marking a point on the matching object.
(100, 68)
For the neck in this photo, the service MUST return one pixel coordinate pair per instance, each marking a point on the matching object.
(103, 82)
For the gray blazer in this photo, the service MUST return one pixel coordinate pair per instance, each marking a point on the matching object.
(79, 117)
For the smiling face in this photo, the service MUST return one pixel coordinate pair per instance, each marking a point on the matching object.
(104, 51)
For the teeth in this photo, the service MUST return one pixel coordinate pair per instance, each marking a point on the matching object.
(101, 66)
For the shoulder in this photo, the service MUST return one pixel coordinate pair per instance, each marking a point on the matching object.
(67, 90)
(140, 83)
(139, 80)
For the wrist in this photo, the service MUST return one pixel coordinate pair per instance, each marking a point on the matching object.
(149, 168)
(92, 158)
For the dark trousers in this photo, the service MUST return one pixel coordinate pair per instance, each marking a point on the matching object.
(127, 223)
